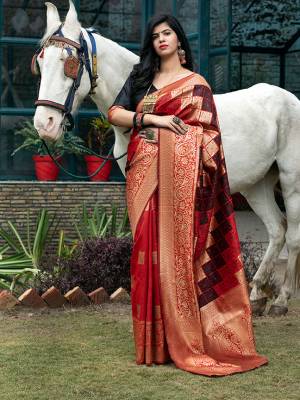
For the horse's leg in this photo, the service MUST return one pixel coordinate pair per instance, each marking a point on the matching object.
(262, 200)
(290, 183)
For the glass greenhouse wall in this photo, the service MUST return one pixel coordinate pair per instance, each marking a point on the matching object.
(235, 43)
(22, 24)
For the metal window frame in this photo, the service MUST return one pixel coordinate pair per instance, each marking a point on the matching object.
(148, 9)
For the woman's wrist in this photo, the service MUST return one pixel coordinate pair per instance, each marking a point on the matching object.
(148, 119)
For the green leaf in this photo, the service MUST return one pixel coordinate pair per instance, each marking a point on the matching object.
(114, 220)
(40, 237)
(4, 285)
(10, 240)
(18, 237)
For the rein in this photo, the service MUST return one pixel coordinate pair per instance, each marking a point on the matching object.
(73, 68)
(105, 158)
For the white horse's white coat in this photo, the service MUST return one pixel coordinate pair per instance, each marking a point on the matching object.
(260, 126)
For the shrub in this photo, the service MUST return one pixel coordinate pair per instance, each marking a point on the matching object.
(95, 263)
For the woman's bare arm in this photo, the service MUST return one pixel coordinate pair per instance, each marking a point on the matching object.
(119, 116)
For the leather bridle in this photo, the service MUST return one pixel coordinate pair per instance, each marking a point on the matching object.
(73, 68)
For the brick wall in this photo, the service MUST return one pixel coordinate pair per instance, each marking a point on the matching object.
(61, 198)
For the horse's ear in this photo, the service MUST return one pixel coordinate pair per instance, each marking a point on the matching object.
(72, 17)
(53, 17)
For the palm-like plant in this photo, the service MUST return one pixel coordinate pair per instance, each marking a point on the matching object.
(65, 247)
(26, 253)
(98, 224)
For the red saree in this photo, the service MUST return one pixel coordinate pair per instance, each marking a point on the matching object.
(190, 303)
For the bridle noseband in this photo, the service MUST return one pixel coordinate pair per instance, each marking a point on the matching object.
(73, 68)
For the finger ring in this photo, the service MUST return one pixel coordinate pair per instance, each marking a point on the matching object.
(149, 135)
(176, 120)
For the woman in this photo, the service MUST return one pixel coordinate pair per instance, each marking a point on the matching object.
(189, 295)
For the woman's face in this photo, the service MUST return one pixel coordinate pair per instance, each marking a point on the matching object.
(164, 39)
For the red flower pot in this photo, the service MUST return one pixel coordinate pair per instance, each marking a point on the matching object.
(45, 168)
(93, 163)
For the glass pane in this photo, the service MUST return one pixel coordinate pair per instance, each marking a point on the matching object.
(219, 18)
(188, 15)
(187, 18)
(219, 63)
(21, 165)
(260, 68)
(218, 73)
(118, 20)
(28, 18)
(292, 80)
(19, 86)
(236, 78)
(164, 7)
(195, 52)
(265, 23)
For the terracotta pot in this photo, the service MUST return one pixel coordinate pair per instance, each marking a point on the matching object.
(45, 168)
(93, 163)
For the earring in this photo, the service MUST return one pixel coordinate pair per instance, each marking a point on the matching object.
(181, 54)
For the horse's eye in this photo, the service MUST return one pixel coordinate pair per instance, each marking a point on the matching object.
(65, 53)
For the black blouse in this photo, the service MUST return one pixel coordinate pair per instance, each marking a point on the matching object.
(129, 99)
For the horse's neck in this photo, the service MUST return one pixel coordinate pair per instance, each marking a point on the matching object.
(114, 64)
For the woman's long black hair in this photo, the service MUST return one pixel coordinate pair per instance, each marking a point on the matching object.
(143, 73)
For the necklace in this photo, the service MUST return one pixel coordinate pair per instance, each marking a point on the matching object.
(149, 101)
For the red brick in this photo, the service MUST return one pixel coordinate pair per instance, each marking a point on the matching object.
(77, 297)
(99, 296)
(54, 298)
(120, 296)
(31, 298)
(7, 300)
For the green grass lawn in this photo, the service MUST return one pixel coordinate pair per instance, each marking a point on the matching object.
(88, 353)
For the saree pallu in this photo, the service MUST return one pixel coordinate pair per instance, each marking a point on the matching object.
(190, 302)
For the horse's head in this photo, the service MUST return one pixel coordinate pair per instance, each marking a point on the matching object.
(57, 61)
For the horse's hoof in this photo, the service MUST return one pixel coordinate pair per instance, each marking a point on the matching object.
(277, 311)
(258, 306)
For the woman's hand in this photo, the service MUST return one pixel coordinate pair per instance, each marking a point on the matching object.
(149, 135)
(166, 121)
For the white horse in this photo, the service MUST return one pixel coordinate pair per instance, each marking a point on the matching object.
(260, 132)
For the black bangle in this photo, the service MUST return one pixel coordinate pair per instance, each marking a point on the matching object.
(139, 120)
(142, 120)
(134, 120)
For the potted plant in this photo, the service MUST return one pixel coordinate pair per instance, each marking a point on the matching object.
(99, 134)
(45, 167)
